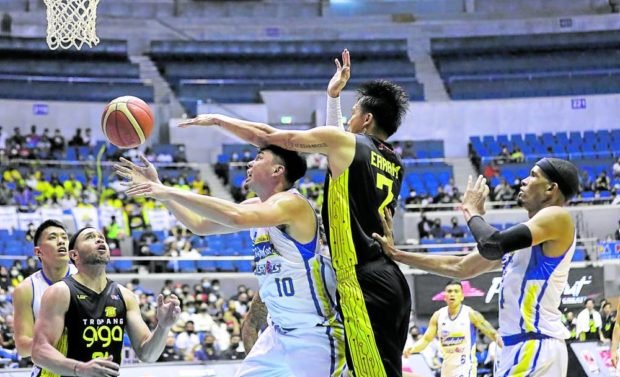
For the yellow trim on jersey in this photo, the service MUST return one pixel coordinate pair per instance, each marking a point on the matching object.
(62, 346)
(341, 358)
(525, 359)
(360, 337)
(315, 270)
(528, 306)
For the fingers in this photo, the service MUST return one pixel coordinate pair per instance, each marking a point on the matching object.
(139, 190)
(379, 238)
(338, 66)
(188, 123)
(469, 185)
(388, 218)
(144, 160)
(346, 58)
(478, 183)
(384, 224)
(160, 300)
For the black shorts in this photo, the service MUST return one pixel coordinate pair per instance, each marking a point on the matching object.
(375, 303)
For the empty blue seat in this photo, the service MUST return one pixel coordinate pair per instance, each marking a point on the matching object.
(206, 265)
(225, 265)
(157, 248)
(186, 265)
(123, 265)
(579, 255)
(244, 266)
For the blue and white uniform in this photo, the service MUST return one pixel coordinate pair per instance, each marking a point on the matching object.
(297, 283)
(457, 338)
(529, 316)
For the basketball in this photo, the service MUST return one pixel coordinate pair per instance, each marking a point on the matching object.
(127, 121)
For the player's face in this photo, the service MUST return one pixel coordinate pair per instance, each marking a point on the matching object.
(533, 189)
(92, 248)
(358, 121)
(53, 245)
(453, 294)
(260, 170)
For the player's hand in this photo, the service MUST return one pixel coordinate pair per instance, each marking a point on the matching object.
(614, 357)
(342, 75)
(149, 189)
(98, 368)
(408, 352)
(499, 341)
(387, 240)
(201, 120)
(135, 174)
(168, 310)
(474, 197)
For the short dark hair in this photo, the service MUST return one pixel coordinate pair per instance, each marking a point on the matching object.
(294, 165)
(386, 101)
(44, 225)
(454, 282)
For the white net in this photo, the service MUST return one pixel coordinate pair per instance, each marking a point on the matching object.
(71, 23)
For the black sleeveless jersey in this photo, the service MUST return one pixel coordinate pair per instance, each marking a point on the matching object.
(353, 202)
(94, 324)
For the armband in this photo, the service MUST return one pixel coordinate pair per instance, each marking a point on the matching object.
(493, 244)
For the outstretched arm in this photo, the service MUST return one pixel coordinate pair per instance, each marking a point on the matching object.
(336, 84)
(429, 335)
(485, 327)
(460, 267)
(255, 320)
(251, 132)
(23, 318)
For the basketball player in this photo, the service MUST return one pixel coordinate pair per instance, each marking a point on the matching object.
(364, 178)
(50, 246)
(455, 326)
(535, 259)
(83, 318)
(615, 339)
(296, 283)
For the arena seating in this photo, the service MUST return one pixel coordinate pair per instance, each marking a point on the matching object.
(529, 66)
(28, 70)
(236, 71)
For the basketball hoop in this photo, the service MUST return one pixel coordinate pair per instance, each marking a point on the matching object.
(71, 23)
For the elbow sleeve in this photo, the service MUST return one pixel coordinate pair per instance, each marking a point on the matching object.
(493, 244)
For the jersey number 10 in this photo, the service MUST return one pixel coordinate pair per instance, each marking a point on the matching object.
(285, 287)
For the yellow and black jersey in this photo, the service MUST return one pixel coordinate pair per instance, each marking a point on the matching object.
(355, 200)
(94, 324)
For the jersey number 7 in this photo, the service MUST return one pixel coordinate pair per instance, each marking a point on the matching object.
(383, 181)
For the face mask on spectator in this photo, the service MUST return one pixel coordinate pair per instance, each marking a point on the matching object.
(191, 310)
(216, 288)
(206, 285)
(14, 272)
(2, 298)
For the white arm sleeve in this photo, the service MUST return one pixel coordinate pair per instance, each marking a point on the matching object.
(333, 116)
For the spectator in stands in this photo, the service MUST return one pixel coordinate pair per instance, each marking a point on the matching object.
(413, 198)
(398, 149)
(170, 353)
(437, 231)
(31, 267)
(617, 232)
(235, 351)
(441, 196)
(602, 182)
(571, 324)
(7, 340)
(609, 320)
(247, 156)
(179, 155)
(147, 238)
(6, 24)
(504, 156)
(3, 138)
(615, 168)
(585, 183)
(5, 279)
(6, 195)
(24, 199)
(89, 140)
(207, 351)
(503, 191)
(77, 140)
(113, 235)
(6, 307)
(475, 159)
(17, 138)
(30, 232)
(456, 231)
(491, 170)
(32, 139)
(187, 340)
(589, 323)
(517, 155)
(424, 226)
(57, 144)
(45, 144)
(448, 188)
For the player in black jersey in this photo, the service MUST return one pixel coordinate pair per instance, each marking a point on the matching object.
(364, 178)
(83, 318)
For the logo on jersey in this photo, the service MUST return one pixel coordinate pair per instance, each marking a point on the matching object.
(82, 297)
(454, 339)
(268, 268)
(110, 311)
(262, 247)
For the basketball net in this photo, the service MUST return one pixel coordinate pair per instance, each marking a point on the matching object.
(71, 23)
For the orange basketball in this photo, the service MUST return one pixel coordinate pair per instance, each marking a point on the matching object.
(127, 122)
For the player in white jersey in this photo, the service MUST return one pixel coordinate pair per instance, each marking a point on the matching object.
(535, 259)
(615, 339)
(303, 335)
(455, 325)
(50, 246)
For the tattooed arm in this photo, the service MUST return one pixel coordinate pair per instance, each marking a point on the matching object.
(255, 320)
(485, 327)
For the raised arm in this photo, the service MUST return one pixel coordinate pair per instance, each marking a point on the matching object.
(333, 115)
(23, 318)
(250, 132)
(485, 327)
(48, 331)
(429, 335)
(254, 321)
(460, 267)
(149, 345)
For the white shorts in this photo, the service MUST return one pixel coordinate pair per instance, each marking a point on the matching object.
(312, 352)
(534, 358)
